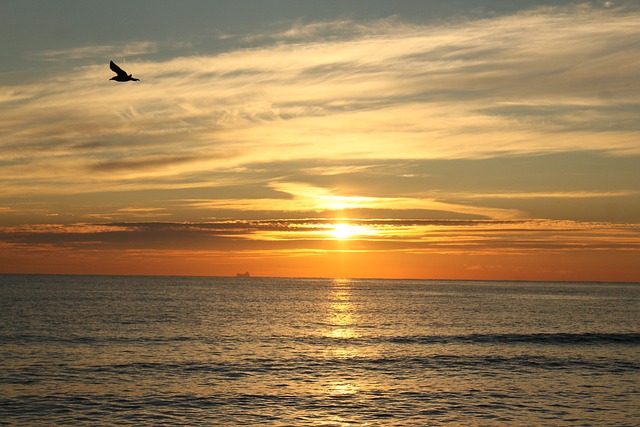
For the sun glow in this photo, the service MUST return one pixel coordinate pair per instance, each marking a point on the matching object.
(343, 231)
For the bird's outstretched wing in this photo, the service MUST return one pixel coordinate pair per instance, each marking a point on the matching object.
(119, 71)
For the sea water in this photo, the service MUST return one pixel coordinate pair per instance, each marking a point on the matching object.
(179, 351)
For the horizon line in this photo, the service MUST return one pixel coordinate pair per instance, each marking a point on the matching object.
(325, 278)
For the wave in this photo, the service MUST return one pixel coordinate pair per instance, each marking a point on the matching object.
(308, 368)
(91, 340)
(542, 338)
(625, 339)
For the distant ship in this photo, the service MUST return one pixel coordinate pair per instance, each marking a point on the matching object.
(245, 274)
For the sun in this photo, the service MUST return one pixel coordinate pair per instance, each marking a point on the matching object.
(342, 231)
(347, 231)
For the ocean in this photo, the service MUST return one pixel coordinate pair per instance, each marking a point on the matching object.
(235, 351)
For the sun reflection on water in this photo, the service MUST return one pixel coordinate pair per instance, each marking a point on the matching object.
(341, 325)
(344, 388)
(340, 316)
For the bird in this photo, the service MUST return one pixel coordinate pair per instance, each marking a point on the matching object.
(122, 75)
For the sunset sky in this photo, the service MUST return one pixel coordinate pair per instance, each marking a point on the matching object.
(457, 139)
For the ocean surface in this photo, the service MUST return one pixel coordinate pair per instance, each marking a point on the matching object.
(186, 351)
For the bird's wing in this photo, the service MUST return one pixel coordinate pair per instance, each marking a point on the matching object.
(119, 71)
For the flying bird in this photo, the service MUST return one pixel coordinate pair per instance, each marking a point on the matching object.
(122, 75)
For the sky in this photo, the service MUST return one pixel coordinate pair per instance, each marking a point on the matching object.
(458, 139)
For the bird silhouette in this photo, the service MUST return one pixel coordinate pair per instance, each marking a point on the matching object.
(122, 75)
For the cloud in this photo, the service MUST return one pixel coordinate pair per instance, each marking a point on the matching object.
(548, 195)
(417, 236)
(543, 81)
(140, 164)
(318, 198)
(117, 51)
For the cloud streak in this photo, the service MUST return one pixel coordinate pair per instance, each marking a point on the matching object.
(98, 51)
(415, 235)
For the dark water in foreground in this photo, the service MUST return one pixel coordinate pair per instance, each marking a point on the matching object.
(83, 350)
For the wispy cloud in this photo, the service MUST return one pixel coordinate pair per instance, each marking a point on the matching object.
(542, 81)
(425, 236)
(120, 50)
(547, 195)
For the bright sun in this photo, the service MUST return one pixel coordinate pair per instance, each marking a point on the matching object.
(342, 231)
